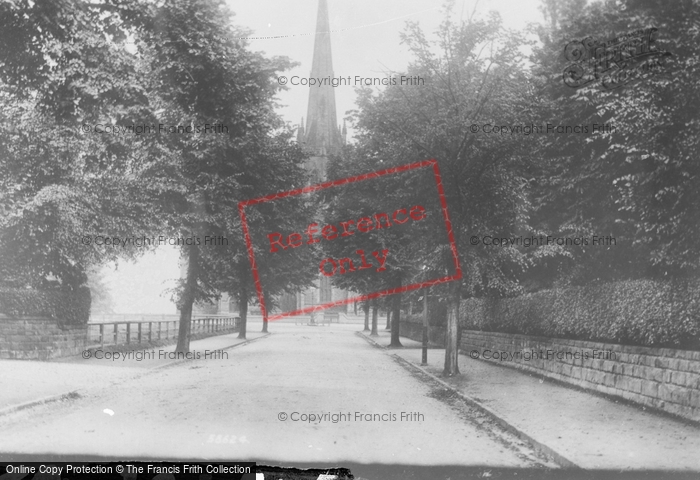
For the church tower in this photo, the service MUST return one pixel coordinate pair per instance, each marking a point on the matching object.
(321, 134)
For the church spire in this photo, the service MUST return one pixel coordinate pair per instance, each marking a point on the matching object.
(321, 133)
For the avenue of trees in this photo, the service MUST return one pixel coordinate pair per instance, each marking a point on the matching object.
(70, 64)
(634, 182)
(66, 67)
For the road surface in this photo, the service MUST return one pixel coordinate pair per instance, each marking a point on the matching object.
(302, 395)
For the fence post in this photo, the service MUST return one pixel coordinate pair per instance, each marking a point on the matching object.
(150, 332)
(128, 333)
(159, 328)
(102, 335)
(116, 333)
(140, 324)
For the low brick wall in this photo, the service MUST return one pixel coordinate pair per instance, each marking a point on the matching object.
(35, 338)
(662, 378)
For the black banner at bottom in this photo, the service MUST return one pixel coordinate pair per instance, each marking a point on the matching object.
(128, 471)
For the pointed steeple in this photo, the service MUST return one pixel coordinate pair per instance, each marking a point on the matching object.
(322, 135)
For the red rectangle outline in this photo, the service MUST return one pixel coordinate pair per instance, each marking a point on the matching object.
(334, 183)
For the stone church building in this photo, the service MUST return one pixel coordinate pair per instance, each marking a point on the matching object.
(322, 135)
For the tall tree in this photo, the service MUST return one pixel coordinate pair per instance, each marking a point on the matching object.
(634, 179)
(65, 70)
(472, 75)
(396, 211)
(206, 76)
(276, 166)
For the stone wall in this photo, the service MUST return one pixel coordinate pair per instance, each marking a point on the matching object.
(662, 378)
(36, 338)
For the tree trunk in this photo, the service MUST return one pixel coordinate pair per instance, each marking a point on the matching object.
(451, 342)
(375, 314)
(395, 319)
(365, 307)
(388, 317)
(243, 306)
(187, 301)
(268, 304)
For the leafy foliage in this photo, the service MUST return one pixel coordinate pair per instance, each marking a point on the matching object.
(635, 312)
(67, 68)
(473, 75)
(636, 182)
(66, 307)
(75, 65)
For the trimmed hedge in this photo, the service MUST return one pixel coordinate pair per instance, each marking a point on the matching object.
(633, 312)
(437, 315)
(67, 308)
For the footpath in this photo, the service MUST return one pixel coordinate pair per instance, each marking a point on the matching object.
(578, 428)
(27, 383)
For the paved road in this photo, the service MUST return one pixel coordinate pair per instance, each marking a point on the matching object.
(230, 408)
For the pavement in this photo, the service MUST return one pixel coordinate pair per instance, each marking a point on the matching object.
(41, 382)
(589, 431)
(25, 383)
(241, 406)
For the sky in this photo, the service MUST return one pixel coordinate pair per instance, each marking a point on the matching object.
(365, 36)
(365, 42)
